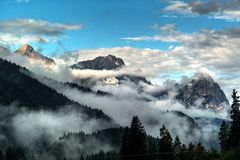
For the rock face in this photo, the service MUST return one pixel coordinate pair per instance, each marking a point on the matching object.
(27, 50)
(109, 62)
(202, 91)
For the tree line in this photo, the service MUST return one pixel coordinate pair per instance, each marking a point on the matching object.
(136, 145)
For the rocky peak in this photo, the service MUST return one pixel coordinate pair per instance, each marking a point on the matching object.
(202, 91)
(109, 62)
(27, 50)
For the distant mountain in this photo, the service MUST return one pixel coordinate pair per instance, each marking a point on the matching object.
(201, 91)
(19, 88)
(4, 51)
(109, 62)
(133, 78)
(27, 50)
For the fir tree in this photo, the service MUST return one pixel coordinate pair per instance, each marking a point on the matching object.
(177, 147)
(165, 144)
(1, 155)
(234, 139)
(200, 152)
(224, 136)
(81, 158)
(135, 142)
(152, 149)
(190, 150)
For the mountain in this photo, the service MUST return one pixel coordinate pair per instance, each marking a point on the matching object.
(201, 91)
(19, 88)
(109, 62)
(27, 50)
(4, 51)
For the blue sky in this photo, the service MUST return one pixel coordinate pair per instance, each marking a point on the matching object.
(106, 22)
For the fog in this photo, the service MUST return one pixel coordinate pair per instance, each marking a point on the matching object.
(127, 100)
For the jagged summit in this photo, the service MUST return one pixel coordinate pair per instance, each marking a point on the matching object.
(202, 75)
(109, 62)
(202, 90)
(27, 50)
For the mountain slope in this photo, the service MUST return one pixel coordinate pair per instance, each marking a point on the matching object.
(4, 51)
(27, 50)
(109, 62)
(19, 88)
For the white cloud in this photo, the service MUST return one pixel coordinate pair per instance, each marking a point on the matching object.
(30, 30)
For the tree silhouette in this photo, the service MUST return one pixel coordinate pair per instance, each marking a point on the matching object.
(165, 144)
(234, 139)
(224, 136)
(134, 142)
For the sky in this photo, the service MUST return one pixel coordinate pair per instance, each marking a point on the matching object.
(104, 24)
(169, 37)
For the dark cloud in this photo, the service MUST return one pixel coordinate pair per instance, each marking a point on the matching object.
(220, 9)
(204, 8)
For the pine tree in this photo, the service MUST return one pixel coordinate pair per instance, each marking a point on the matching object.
(183, 155)
(135, 142)
(200, 152)
(224, 136)
(1, 155)
(191, 149)
(81, 158)
(152, 149)
(234, 139)
(165, 144)
(125, 143)
(10, 154)
(177, 148)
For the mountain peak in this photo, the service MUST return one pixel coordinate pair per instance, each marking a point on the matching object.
(202, 90)
(203, 75)
(109, 62)
(27, 50)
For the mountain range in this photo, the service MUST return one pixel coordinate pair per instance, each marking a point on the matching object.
(26, 90)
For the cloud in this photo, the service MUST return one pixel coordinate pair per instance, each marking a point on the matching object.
(168, 28)
(214, 50)
(219, 9)
(21, 31)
